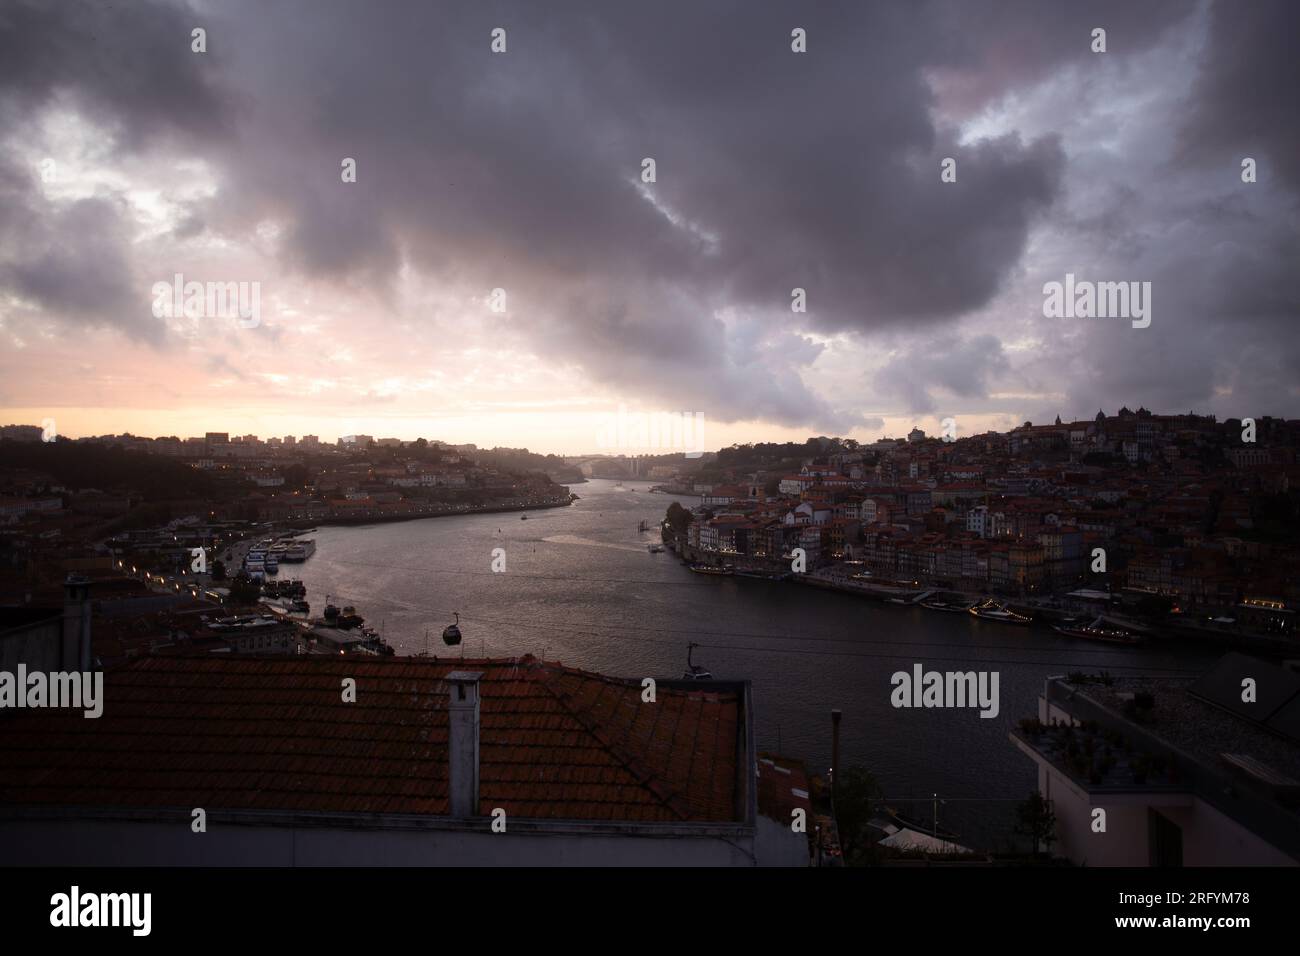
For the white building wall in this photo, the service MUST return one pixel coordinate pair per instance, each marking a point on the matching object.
(778, 845)
(1123, 844)
(1211, 838)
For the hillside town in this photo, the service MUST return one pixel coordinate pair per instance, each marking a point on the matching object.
(1192, 519)
(105, 504)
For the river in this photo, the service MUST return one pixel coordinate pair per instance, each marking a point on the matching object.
(580, 587)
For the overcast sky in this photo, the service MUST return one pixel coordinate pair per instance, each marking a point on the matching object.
(126, 158)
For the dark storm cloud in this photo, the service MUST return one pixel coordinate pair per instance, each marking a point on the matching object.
(1244, 103)
(992, 47)
(1225, 302)
(70, 262)
(127, 67)
(819, 171)
(775, 170)
(963, 369)
(1221, 254)
(128, 64)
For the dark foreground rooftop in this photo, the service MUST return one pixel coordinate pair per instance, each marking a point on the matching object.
(275, 734)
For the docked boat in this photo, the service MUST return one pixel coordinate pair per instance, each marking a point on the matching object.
(287, 589)
(349, 618)
(949, 606)
(296, 552)
(301, 606)
(271, 562)
(991, 610)
(1098, 631)
(765, 575)
(375, 646)
(710, 569)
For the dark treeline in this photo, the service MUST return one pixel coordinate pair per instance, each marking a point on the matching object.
(78, 466)
(778, 457)
(523, 460)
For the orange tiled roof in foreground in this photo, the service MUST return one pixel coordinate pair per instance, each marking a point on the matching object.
(275, 734)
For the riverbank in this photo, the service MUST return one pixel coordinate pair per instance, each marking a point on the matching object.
(677, 490)
(1043, 616)
(382, 518)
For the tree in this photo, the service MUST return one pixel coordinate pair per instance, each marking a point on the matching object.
(1037, 821)
(244, 590)
(679, 519)
(1154, 606)
(856, 796)
(295, 476)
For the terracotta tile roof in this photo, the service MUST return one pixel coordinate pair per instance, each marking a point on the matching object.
(275, 734)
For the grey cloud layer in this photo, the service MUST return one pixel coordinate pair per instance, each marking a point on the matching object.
(775, 170)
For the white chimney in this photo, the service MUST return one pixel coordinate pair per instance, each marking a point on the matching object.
(462, 739)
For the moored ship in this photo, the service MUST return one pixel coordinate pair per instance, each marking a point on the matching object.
(1098, 631)
(298, 550)
(952, 607)
(991, 610)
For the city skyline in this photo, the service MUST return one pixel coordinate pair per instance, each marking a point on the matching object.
(616, 441)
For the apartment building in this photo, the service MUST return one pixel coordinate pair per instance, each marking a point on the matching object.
(1172, 772)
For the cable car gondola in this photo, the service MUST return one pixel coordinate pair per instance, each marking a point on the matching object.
(451, 633)
(694, 671)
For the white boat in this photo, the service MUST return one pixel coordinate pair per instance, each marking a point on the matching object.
(297, 551)
(990, 610)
